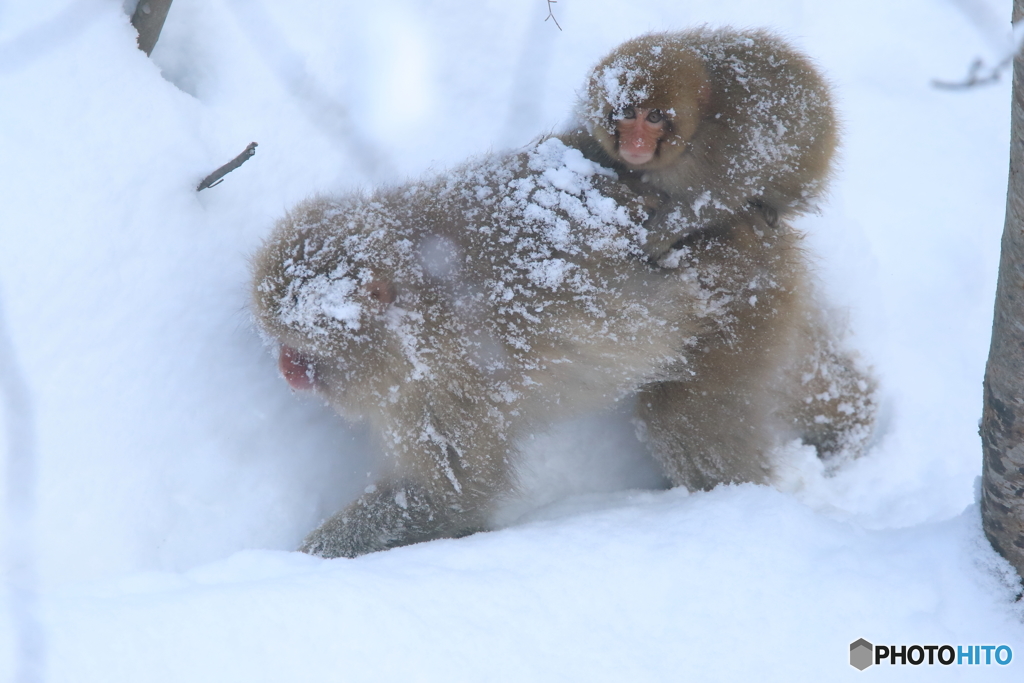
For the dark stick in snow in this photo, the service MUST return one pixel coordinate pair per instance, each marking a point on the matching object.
(217, 176)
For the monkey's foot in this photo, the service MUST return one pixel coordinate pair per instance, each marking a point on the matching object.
(391, 515)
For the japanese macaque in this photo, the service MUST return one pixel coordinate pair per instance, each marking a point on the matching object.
(459, 313)
(718, 121)
(713, 126)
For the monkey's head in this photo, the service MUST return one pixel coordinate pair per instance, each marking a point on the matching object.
(326, 297)
(645, 101)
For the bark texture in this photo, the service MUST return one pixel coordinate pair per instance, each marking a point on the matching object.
(148, 20)
(1002, 426)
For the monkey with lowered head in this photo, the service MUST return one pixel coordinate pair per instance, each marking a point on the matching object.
(457, 313)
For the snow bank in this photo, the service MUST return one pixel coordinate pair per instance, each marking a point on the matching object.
(177, 469)
(638, 586)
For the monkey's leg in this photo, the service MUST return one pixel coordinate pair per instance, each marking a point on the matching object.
(453, 462)
(707, 433)
(394, 513)
(832, 403)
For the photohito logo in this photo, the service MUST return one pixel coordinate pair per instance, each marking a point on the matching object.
(863, 654)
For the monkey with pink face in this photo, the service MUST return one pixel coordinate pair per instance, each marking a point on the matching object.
(718, 128)
(718, 122)
(645, 253)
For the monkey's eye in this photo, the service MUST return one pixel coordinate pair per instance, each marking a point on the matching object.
(655, 116)
(382, 291)
(629, 112)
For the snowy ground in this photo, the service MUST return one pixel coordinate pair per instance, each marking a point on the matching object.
(177, 470)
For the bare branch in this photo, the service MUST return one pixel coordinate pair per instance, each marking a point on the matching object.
(979, 74)
(148, 20)
(551, 13)
(217, 177)
(1007, 45)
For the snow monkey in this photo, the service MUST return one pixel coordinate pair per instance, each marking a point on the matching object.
(720, 121)
(460, 312)
(720, 124)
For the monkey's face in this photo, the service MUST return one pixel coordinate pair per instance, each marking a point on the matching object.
(645, 101)
(312, 369)
(329, 299)
(638, 132)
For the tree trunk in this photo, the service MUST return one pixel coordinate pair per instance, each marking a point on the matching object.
(1002, 425)
(148, 20)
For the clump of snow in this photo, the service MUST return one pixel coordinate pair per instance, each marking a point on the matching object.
(619, 83)
(331, 295)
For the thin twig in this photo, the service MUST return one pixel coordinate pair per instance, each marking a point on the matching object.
(978, 74)
(217, 177)
(551, 13)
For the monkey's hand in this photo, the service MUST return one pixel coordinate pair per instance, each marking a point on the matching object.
(675, 225)
(389, 515)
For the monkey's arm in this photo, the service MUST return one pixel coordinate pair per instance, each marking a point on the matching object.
(452, 449)
(832, 402)
(674, 225)
(393, 513)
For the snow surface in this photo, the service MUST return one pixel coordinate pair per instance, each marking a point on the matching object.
(177, 470)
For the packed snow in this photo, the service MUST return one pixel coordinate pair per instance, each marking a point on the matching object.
(177, 471)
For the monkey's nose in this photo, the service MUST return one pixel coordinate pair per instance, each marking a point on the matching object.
(298, 370)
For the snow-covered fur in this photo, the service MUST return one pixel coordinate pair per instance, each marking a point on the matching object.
(457, 313)
(749, 119)
(521, 292)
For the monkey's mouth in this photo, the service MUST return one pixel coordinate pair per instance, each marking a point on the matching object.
(636, 157)
(297, 369)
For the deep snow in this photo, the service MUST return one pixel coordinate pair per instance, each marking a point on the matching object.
(177, 470)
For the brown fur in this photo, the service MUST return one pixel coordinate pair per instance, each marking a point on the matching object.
(750, 121)
(457, 313)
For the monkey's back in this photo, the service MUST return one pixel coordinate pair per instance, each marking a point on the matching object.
(771, 131)
(520, 283)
